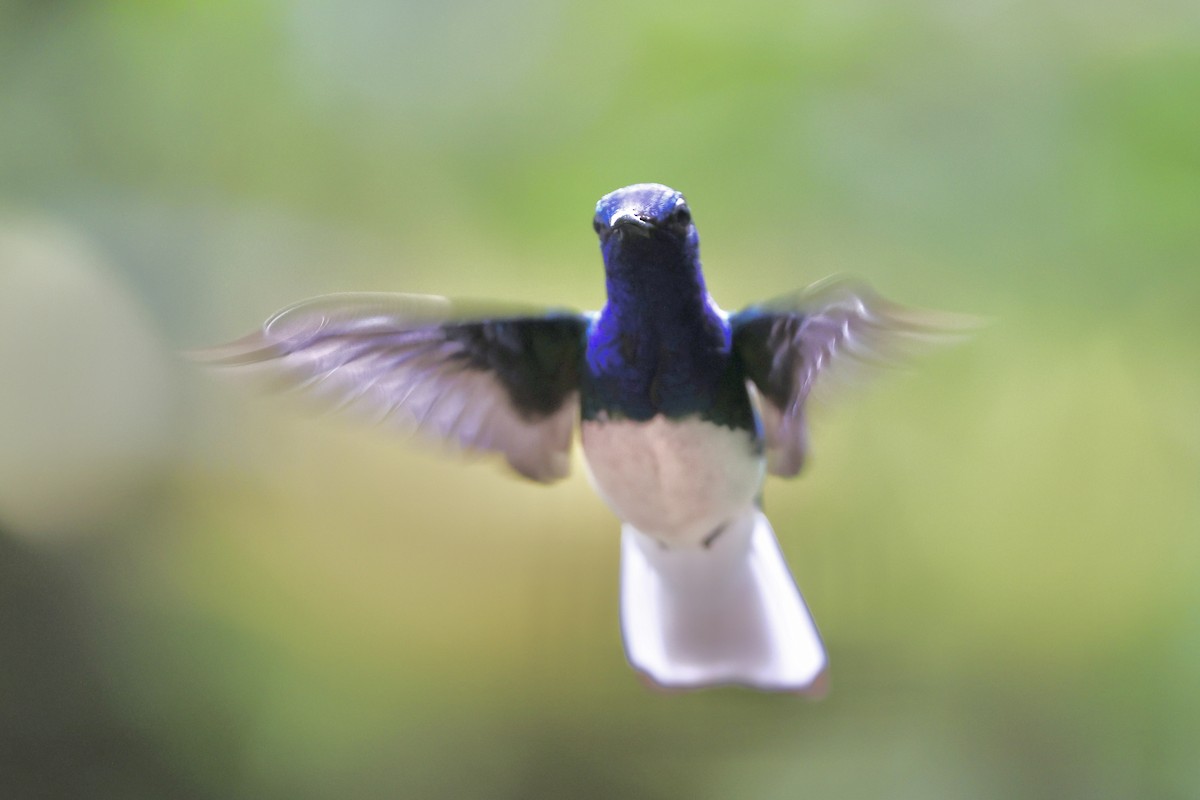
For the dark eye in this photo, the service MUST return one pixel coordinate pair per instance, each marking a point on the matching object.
(597, 225)
(681, 216)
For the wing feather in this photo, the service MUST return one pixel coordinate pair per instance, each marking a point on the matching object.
(834, 327)
(484, 379)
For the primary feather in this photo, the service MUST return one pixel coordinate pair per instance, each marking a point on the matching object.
(504, 380)
(831, 327)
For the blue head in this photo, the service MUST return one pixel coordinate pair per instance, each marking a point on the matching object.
(646, 234)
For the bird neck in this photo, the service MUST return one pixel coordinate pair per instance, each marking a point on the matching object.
(656, 291)
(659, 346)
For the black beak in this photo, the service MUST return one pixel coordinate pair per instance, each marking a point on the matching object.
(631, 221)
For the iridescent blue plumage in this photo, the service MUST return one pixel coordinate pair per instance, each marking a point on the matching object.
(660, 346)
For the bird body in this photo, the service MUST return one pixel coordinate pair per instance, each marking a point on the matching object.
(668, 430)
(678, 481)
(674, 446)
(682, 410)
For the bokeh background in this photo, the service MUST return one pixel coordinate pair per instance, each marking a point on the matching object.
(206, 595)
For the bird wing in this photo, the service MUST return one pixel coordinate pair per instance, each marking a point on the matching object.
(786, 343)
(481, 377)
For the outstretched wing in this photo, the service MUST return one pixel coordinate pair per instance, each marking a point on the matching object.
(785, 344)
(486, 379)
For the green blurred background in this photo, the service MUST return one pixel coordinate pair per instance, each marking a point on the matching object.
(206, 595)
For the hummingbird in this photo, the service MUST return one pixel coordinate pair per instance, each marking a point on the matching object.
(682, 410)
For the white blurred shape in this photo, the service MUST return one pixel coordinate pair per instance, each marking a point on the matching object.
(83, 386)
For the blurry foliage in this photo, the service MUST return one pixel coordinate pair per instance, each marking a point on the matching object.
(1000, 547)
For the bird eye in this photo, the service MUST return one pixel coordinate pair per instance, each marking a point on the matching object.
(681, 216)
(597, 225)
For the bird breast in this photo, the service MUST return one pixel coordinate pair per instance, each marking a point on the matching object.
(679, 480)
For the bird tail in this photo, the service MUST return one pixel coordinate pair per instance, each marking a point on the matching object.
(727, 613)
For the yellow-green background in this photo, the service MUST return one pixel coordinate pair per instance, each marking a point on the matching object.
(205, 595)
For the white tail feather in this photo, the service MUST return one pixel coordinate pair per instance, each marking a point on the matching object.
(727, 613)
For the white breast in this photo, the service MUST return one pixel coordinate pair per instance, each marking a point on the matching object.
(675, 480)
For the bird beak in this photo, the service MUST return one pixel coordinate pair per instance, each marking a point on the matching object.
(630, 220)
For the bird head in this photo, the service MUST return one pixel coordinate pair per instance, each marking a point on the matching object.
(646, 223)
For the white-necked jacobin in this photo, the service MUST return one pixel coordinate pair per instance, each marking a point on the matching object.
(683, 409)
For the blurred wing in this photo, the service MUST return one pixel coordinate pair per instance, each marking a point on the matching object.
(833, 325)
(486, 379)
